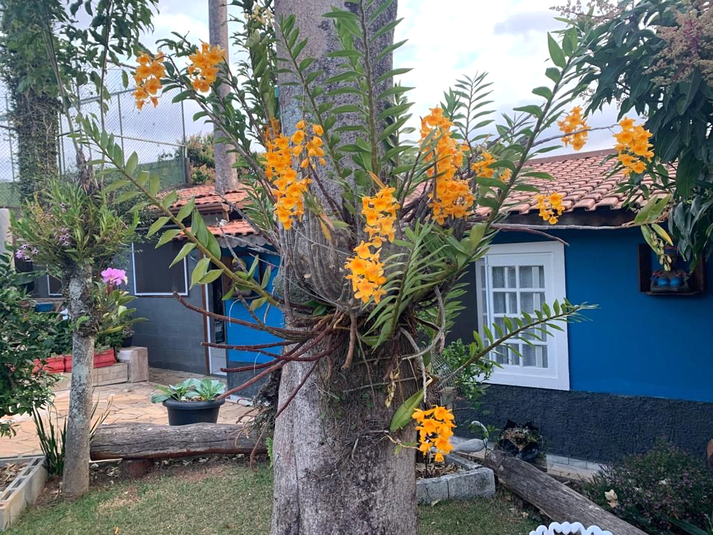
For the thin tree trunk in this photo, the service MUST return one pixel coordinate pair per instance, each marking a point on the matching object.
(76, 460)
(225, 176)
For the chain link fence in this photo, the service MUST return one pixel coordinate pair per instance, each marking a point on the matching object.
(157, 135)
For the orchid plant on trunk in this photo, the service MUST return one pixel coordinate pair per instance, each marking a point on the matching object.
(374, 230)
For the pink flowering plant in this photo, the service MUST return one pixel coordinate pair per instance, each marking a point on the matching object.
(114, 277)
(70, 228)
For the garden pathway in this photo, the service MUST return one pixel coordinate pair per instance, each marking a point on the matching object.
(126, 402)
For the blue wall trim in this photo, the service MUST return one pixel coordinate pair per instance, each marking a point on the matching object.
(238, 335)
(641, 345)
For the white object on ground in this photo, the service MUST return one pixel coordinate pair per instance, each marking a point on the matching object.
(569, 529)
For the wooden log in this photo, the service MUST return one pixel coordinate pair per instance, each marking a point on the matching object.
(153, 441)
(554, 499)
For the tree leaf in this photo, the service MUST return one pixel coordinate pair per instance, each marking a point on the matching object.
(403, 414)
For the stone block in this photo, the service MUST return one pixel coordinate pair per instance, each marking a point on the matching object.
(111, 375)
(137, 359)
(23, 490)
(473, 481)
(431, 490)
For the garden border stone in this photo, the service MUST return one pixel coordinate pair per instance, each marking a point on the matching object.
(474, 481)
(24, 489)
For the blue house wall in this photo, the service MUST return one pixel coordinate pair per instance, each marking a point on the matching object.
(240, 335)
(640, 370)
(636, 344)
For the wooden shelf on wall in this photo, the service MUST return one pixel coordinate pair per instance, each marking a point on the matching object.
(696, 282)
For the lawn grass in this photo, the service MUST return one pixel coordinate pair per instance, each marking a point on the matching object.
(219, 498)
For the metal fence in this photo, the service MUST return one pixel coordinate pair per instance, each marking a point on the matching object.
(157, 135)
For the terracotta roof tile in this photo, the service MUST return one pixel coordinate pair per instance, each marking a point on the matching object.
(582, 179)
(237, 227)
(206, 195)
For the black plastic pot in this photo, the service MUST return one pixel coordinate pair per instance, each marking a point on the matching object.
(126, 341)
(192, 412)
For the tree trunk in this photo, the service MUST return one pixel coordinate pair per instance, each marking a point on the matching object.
(36, 121)
(336, 469)
(76, 460)
(225, 179)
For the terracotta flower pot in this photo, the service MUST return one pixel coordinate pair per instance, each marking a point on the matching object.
(52, 365)
(101, 360)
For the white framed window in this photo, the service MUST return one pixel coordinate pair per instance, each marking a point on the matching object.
(54, 286)
(151, 274)
(516, 278)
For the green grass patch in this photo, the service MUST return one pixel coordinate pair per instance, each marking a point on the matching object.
(227, 498)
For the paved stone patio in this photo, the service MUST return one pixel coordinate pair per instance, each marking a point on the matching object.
(127, 402)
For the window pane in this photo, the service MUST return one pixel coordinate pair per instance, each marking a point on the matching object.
(153, 275)
(499, 306)
(512, 277)
(531, 301)
(505, 303)
(534, 356)
(498, 277)
(532, 277)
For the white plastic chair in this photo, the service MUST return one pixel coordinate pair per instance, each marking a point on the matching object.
(569, 529)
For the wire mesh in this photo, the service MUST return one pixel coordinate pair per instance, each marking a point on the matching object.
(157, 135)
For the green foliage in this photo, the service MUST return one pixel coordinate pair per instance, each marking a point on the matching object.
(470, 382)
(67, 226)
(190, 390)
(651, 489)
(26, 336)
(694, 530)
(52, 435)
(642, 56)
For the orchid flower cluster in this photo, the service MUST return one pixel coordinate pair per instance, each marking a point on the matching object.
(550, 207)
(435, 429)
(203, 68)
(366, 270)
(290, 189)
(452, 197)
(633, 146)
(114, 277)
(575, 128)
(148, 76)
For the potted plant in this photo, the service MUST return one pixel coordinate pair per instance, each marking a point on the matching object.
(191, 401)
(523, 442)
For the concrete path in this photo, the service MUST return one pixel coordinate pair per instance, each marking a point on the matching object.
(126, 402)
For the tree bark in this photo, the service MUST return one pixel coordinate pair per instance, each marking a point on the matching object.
(36, 120)
(151, 441)
(76, 460)
(225, 176)
(336, 471)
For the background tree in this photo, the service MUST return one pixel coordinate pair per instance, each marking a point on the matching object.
(655, 57)
(71, 224)
(373, 232)
(28, 75)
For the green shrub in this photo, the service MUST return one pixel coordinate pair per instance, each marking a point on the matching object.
(651, 489)
(25, 337)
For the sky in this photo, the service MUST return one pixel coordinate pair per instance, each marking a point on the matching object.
(446, 39)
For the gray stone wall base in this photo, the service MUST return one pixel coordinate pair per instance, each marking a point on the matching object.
(474, 481)
(24, 489)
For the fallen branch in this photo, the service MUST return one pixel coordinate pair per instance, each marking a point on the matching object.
(556, 500)
(152, 441)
